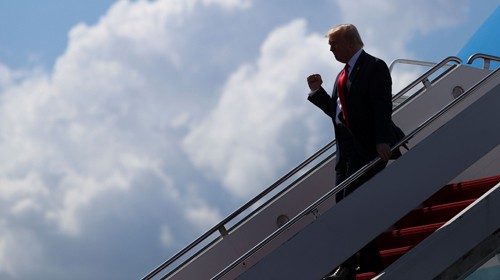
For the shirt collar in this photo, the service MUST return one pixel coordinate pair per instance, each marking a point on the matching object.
(353, 59)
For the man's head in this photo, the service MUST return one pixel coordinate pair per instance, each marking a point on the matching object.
(344, 41)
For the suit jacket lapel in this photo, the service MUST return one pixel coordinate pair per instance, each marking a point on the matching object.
(355, 71)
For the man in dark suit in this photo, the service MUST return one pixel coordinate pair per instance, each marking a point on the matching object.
(361, 109)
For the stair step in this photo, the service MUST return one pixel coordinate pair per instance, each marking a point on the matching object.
(458, 205)
(452, 196)
(492, 180)
(474, 184)
(433, 214)
(417, 230)
(391, 255)
(407, 236)
(365, 275)
(463, 190)
(395, 251)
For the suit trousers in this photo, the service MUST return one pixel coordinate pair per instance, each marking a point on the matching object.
(352, 159)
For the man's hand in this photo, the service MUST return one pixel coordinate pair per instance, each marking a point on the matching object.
(314, 81)
(384, 151)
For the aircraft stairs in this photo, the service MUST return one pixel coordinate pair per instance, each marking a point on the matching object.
(295, 230)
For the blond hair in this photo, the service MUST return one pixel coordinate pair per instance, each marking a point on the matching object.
(349, 32)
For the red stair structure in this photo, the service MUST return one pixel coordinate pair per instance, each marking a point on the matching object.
(427, 218)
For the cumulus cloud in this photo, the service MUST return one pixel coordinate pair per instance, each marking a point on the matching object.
(203, 216)
(166, 236)
(230, 4)
(104, 124)
(262, 120)
(20, 253)
(388, 26)
(5, 76)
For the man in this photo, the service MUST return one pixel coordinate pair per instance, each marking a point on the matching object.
(361, 109)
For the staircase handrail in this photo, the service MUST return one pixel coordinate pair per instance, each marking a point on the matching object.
(486, 59)
(313, 207)
(221, 225)
(413, 62)
(424, 78)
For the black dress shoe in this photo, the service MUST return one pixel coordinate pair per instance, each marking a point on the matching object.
(342, 273)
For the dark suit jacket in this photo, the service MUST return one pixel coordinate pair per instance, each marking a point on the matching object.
(369, 104)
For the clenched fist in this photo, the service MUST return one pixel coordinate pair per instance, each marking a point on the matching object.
(314, 81)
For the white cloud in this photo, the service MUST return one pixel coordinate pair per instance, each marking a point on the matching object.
(230, 4)
(203, 216)
(166, 236)
(20, 253)
(5, 76)
(261, 119)
(99, 126)
(101, 117)
(388, 26)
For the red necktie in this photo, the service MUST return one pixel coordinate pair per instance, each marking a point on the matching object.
(341, 88)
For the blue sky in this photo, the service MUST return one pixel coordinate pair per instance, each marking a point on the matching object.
(131, 127)
(35, 32)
